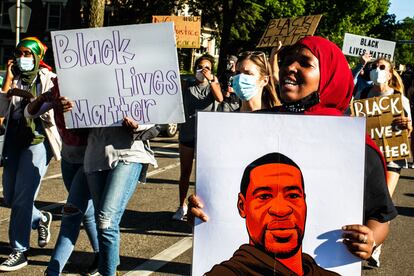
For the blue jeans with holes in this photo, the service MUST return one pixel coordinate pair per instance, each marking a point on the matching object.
(80, 203)
(111, 191)
(22, 174)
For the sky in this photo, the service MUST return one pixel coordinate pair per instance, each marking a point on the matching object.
(402, 8)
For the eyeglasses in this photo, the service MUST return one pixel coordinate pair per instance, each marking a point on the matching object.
(19, 53)
(261, 55)
(374, 67)
(200, 67)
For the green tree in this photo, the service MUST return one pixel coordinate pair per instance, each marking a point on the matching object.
(404, 51)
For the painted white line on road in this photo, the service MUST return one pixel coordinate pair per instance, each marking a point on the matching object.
(160, 170)
(59, 175)
(162, 258)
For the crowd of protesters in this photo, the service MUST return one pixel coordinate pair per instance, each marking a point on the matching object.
(101, 167)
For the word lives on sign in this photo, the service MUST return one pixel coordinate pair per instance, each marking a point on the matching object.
(380, 113)
(288, 30)
(115, 72)
(356, 45)
(187, 29)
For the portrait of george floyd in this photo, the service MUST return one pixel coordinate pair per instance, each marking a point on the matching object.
(277, 190)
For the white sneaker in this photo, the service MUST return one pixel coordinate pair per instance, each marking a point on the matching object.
(374, 260)
(180, 213)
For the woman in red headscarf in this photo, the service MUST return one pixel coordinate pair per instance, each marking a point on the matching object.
(29, 145)
(314, 79)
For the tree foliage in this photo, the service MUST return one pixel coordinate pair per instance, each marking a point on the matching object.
(405, 31)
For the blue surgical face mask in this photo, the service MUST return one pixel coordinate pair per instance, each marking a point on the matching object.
(25, 64)
(245, 86)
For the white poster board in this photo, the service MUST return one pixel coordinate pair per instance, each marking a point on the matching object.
(356, 45)
(330, 152)
(119, 71)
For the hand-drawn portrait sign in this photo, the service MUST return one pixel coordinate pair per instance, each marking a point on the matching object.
(296, 182)
(380, 113)
(356, 45)
(288, 30)
(114, 72)
(187, 29)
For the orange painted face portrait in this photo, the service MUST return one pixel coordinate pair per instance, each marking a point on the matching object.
(275, 209)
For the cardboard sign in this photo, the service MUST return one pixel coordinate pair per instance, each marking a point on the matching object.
(119, 71)
(380, 112)
(356, 45)
(187, 29)
(288, 30)
(330, 153)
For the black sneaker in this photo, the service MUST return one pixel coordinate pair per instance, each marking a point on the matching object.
(43, 230)
(93, 268)
(15, 261)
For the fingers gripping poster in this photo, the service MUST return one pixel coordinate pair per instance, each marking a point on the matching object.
(278, 184)
(122, 71)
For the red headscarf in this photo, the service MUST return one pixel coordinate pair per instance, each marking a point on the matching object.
(336, 83)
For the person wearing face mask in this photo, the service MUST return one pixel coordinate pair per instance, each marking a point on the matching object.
(315, 79)
(29, 145)
(201, 94)
(230, 101)
(253, 84)
(387, 82)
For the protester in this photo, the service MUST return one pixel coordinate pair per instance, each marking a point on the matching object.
(387, 82)
(253, 83)
(29, 145)
(230, 101)
(315, 80)
(79, 204)
(113, 162)
(361, 75)
(200, 94)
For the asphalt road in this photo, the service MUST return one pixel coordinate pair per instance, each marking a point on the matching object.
(152, 243)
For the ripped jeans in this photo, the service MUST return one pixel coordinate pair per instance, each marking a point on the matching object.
(111, 191)
(78, 208)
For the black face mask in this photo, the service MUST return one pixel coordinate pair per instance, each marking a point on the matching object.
(301, 105)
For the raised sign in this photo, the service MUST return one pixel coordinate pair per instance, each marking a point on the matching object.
(288, 30)
(356, 45)
(119, 71)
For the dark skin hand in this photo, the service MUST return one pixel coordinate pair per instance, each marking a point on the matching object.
(359, 239)
(195, 209)
(402, 123)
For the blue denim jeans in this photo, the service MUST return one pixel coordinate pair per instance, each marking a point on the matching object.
(22, 174)
(111, 191)
(78, 207)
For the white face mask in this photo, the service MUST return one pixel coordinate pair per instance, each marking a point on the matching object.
(200, 76)
(378, 76)
(25, 64)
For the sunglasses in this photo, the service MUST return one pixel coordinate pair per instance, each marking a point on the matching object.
(19, 53)
(200, 67)
(261, 55)
(374, 67)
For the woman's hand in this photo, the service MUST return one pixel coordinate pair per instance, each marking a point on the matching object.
(64, 104)
(359, 239)
(402, 123)
(7, 82)
(273, 61)
(195, 207)
(129, 124)
(208, 74)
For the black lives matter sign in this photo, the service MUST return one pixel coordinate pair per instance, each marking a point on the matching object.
(288, 30)
(380, 113)
(356, 45)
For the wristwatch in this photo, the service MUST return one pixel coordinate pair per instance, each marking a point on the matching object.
(210, 81)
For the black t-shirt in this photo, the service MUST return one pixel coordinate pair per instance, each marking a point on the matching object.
(377, 201)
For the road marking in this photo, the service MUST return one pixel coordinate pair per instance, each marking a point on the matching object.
(160, 170)
(162, 258)
(59, 175)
